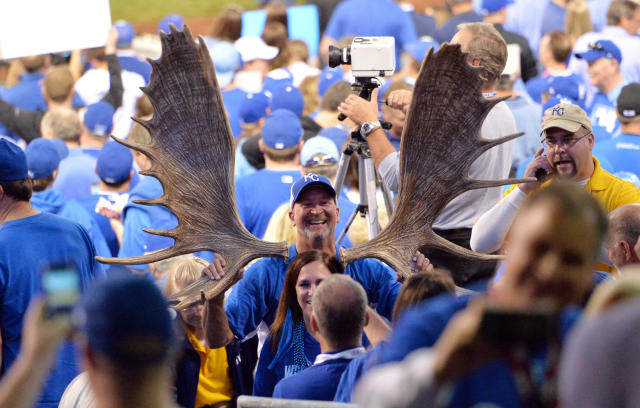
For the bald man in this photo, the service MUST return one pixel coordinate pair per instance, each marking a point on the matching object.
(624, 230)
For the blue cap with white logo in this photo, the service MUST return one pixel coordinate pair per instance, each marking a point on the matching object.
(43, 158)
(307, 181)
(281, 130)
(99, 118)
(601, 49)
(13, 162)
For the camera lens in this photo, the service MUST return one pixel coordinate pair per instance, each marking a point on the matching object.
(337, 56)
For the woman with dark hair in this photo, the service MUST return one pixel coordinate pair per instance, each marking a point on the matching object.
(228, 24)
(290, 347)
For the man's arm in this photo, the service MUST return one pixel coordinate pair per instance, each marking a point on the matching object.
(116, 90)
(25, 124)
(216, 325)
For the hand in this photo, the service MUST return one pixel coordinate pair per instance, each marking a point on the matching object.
(215, 271)
(360, 110)
(539, 162)
(112, 39)
(422, 263)
(637, 248)
(400, 99)
(41, 335)
(459, 350)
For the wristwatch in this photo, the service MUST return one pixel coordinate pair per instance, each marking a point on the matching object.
(368, 127)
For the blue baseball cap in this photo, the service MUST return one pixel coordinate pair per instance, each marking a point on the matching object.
(319, 145)
(42, 158)
(601, 49)
(155, 242)
(338, 135)
(114, 163)
(226, 60)
(99, 118)
(287, 96)
(253, 107)
(328, 77)
(567, 86)
(13, 162)
(61, 146)
(418, 49)
(307, 181)
(126, 33)
(493, 6)
(126, 318)
(175, 19)
(281, 130)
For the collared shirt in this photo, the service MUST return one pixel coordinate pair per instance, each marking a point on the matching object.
(348, 354)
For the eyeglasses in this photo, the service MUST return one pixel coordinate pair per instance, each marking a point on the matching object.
(320, 159)
(596, 47)
(568, 142)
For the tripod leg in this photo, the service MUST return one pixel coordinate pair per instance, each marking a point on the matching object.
(343, 166)
(346, 227)
(368, 194)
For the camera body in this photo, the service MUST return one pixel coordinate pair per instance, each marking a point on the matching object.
(369, 57)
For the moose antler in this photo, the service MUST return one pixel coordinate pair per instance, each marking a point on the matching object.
(440, 141)
(191, 152)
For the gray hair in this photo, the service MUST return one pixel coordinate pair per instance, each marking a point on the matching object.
(64, 123)
(340, 308)
(620, 8)
(489, 47)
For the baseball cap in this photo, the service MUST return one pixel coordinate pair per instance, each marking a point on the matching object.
(61, 146)
(126, 318)
(253, 107)
(418, 49)
(253, 48)
(493, 6)
(155, 242)
(281, 130)
(328, 77)
(126, 32)
(310, 180)
(114, 163)
(287, 96)
(338, 135)
(42, 158)
(13, 162)
(175, 19)
(601, 49)
(226, 60)
(629, 101)
(99, 118)
(319, 145)
(566, 86)
(565, 116)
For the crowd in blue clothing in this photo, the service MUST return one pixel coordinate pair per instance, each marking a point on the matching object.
(271, 93)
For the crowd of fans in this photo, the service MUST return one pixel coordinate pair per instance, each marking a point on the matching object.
(552, 323)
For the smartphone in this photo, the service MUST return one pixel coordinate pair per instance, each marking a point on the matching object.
(61, 288)
(532, 328)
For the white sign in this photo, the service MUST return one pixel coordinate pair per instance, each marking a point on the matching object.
(32, 27)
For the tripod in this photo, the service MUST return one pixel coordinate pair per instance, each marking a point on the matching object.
(368, 205)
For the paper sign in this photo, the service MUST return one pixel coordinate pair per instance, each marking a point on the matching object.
(32, 27)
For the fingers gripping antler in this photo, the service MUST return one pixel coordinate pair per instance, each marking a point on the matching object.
(440, 142)
(191, 152)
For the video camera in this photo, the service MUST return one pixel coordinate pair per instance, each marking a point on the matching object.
(369, 57)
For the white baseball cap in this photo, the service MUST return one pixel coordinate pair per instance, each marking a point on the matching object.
(253, 48)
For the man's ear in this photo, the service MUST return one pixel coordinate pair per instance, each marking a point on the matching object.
(366, 318)
(292, 218)
(314, 324)
(628, 251)
(261, 145)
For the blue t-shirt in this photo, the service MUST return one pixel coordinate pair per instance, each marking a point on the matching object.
(602, 112)
(527, 115)
(27, 245)
(255, 297)
(318, 382)
(620, 157)
(553, 18)
(448, 29)
(54, 203)
(346, 209)
(259, 194)
(231, 99)
(138, 216)
(266, 379)
(387, 20)
(76, 175)
(535, 86)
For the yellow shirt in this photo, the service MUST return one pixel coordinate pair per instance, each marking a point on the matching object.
(610, 191)
(214, 383)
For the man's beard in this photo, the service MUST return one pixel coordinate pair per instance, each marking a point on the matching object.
(311, 235)
(566, 176)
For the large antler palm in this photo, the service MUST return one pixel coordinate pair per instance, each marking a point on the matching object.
(191, 152)
(440, 141)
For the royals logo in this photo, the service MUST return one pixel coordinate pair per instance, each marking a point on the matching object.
(557, 111)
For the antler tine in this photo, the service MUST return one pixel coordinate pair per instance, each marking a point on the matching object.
(191, 153)
(476, 184)
(135, 146)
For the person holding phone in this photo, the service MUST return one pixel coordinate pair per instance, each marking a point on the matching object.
(30, 243)
(566, 154)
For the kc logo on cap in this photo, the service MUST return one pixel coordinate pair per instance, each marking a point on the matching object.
(557, 111)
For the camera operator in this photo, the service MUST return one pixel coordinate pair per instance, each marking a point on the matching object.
(487, 50)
